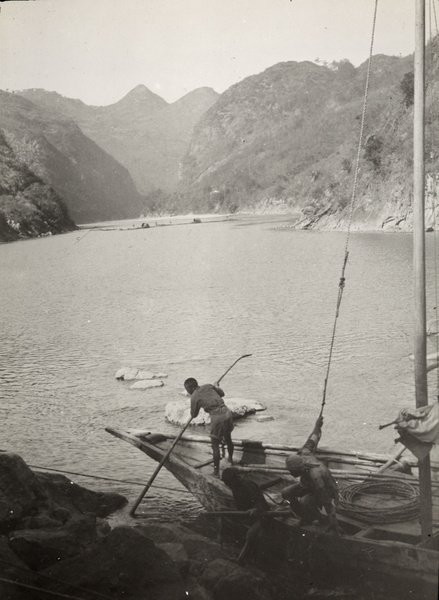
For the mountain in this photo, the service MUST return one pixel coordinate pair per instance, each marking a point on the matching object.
(287, 138)
(141, 131)
(283, 140)
(93, 185)
(28, 206)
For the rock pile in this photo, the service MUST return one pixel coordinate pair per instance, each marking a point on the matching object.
(54, 537)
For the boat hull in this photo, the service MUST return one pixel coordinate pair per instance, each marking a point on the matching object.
(392, 551)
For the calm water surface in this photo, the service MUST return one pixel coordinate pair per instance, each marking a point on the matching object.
(188, 300)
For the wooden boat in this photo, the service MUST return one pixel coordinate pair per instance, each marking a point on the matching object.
(388, 544)
(389, 519)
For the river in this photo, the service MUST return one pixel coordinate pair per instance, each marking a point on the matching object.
(187, 300)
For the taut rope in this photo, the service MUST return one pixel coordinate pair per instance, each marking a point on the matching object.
(351, 210)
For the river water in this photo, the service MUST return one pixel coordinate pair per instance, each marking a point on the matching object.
(187, 300)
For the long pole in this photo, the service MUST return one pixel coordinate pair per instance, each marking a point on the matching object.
(231, 366)
(159, 466)
(174, 443)
(420, 345)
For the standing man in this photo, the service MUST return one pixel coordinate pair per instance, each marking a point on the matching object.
(316, 493)
(210, 398)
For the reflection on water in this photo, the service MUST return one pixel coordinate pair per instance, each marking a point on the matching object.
(188, 301)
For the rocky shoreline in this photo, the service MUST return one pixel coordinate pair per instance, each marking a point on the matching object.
(61, 540)
(55, 539)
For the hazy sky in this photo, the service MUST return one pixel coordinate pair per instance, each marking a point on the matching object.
(98, 50)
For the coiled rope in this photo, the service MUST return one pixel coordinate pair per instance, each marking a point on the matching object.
(404, 493)
(351, 209)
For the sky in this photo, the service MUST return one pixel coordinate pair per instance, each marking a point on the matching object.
(99, 50)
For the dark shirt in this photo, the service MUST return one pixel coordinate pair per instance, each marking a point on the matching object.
(207, 397)
(247, 495)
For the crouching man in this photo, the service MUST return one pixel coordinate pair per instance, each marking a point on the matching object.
(315, 495)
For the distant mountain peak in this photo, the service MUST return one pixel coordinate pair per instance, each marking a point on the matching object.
(141, 95)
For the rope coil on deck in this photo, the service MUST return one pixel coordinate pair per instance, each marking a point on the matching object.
(407, 509)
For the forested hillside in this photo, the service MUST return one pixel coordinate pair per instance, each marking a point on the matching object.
(287, 139)
(283, 140)
(28, 206)
(92, 184)
(142, 131)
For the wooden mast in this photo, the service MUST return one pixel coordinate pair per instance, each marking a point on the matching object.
(420, 345)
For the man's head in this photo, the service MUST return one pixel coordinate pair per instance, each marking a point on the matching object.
(190, 385)
(295, 464)
(231, 477)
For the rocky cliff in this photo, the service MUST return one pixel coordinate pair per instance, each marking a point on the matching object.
(141, 131)
(28, 206)
(92, 184)
(287, 140)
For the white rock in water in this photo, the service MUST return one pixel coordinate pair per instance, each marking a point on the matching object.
(264, 418)
(147, 384)
(126, 373)
(178, 411)
(130, 373)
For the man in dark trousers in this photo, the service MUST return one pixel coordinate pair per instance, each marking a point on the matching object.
(248, 497)
(316, 494)
(210, 398)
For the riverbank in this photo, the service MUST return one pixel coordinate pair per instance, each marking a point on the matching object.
(60, 539)
(55, 538)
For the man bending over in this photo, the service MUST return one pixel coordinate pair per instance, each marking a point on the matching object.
(210, 398)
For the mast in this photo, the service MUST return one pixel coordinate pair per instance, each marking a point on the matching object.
(420, 344)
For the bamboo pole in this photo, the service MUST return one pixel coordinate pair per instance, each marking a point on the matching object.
(420, 325)
(159, 466)
(246, 513)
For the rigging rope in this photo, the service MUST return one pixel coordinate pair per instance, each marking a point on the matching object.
(45, 591)
(351, 209)
(49, 579)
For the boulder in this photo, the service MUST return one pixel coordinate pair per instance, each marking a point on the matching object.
(195, 591)
(197, 547)
(125, 564)
(147, 385)
(264, 418)
(67, 495)
(178, 554)
(228, 580)
(21, 493)
(130, 373)
(178, 411)
(161, 533)
(31, 500)
(43, 520)
(40, 548)
(14, 569)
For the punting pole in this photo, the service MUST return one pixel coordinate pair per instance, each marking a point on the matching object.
(174, 443)
(420, 325)
(231, 366)
(159, 466)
